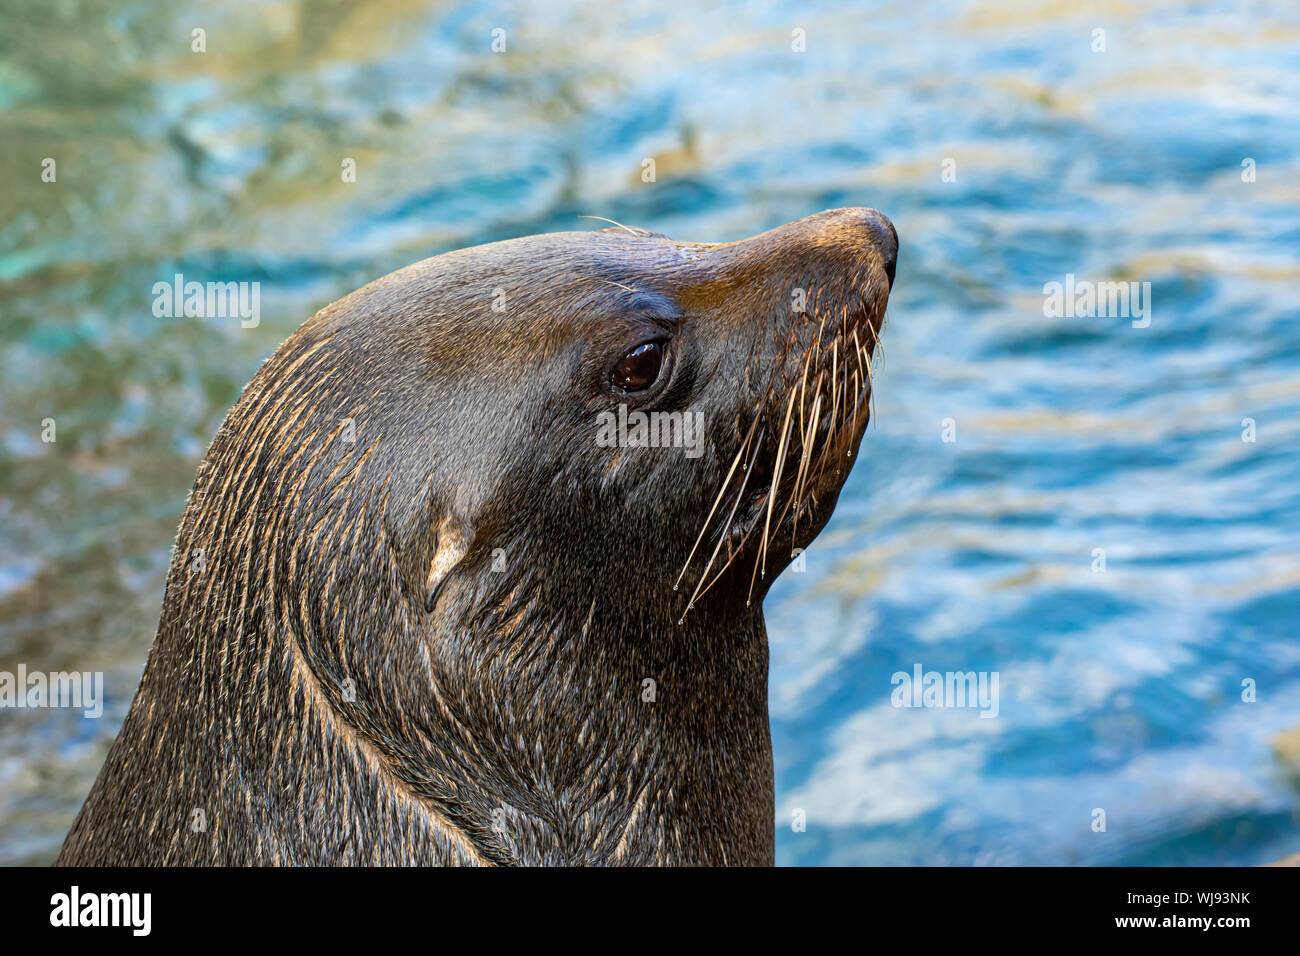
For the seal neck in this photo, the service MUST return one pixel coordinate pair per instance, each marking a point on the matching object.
(602, 738)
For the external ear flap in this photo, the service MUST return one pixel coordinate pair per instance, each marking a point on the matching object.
(452, 543)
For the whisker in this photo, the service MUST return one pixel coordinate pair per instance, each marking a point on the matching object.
(814, 419)
(835, 389)
(613, 223)
(716, 501)
(701, 588)
(803, 385)
(771, 493)
(617, 285)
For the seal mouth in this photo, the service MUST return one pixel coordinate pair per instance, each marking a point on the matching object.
(800, 446)
(817, 420)
(808, 418)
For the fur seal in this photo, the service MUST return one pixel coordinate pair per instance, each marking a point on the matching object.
(418, 614)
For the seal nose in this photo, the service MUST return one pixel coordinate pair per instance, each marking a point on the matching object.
(884, 237)
(868, 231)
(890, 251)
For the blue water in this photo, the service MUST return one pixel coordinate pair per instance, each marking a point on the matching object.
(1120, 690)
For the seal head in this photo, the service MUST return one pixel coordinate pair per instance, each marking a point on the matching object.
(473, 571)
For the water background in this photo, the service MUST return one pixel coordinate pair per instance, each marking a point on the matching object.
(1119, 690)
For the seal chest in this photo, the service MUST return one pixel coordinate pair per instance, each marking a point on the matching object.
(484, 546)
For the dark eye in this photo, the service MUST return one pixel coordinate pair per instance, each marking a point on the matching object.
(638, 369)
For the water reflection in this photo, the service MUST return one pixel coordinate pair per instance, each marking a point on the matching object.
(1120, 690)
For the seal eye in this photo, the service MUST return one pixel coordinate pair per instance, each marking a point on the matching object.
(638, 369)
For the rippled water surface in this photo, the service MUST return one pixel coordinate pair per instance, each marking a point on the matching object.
(1119, 690)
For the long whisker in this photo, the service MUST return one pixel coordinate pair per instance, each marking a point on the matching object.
(718, 500)
(796, 496)
(865, 369)
(803, 385)
(617, 285)
(835, 389)
(613, 223)
(701, 588)
(776, 483)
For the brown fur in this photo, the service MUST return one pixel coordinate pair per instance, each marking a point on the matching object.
(348, 674)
